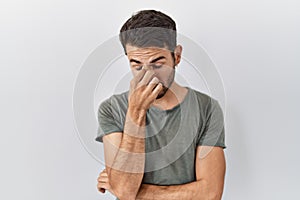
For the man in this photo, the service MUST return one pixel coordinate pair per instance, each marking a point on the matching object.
(161, 140)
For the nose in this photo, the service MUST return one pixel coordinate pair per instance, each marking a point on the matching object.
(147, 67)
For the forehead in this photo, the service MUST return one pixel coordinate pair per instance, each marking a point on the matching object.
(146, 53)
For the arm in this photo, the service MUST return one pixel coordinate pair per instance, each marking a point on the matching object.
(210, 173)
(125, 152)
(124, 159)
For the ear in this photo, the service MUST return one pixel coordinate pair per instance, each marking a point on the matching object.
(178, 52)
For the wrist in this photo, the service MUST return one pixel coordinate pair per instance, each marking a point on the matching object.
(137, 115)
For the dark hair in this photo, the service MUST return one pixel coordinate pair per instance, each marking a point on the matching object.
(149, 28)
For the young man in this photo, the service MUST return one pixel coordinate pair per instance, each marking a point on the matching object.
(161, 140)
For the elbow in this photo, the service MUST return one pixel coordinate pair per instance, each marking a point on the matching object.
(123, 193)
(124, 197)
(209, 190)
(215, 191)
(216, 195)
(121, 187)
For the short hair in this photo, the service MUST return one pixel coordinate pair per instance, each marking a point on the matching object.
(149, 28)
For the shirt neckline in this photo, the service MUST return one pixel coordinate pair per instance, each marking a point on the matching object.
(175, 107)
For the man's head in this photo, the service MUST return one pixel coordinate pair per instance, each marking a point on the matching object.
(149, 41)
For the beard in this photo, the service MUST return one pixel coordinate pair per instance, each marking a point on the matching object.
(162, 93)
(169, 83)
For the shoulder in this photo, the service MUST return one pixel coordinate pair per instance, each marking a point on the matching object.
(206, 103)
(202, 97)
(115, 100)
(204, 100)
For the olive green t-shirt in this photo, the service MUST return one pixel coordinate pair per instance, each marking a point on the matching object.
(172, 135)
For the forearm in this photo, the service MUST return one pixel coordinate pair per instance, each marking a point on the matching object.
(197, 190)
(126, 171)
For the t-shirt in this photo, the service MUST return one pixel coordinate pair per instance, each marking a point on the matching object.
(172, 135)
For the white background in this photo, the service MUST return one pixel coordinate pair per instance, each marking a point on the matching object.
(254, 44)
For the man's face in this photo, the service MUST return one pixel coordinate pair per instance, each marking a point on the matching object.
(159, 60)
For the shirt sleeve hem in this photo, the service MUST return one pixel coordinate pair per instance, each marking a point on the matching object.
(215, 145)
(100, 137)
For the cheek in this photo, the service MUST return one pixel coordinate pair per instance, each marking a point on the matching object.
(134, 72)
(163, 75)
(165, 71)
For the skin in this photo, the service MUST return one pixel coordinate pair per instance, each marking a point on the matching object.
(160, 63)
(153, 85)
(210, 172)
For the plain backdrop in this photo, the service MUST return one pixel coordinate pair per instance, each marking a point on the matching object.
(255, 45)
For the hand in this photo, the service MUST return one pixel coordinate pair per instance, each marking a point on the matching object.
(144, 88)
(103, 183)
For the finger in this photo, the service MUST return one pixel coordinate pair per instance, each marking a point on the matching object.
(154, 80)
(147, 77)
(103, 174)
(103, 180)
(104, 170)
(156, 90)
(103, 186)
(102, 190)
(152, 84)
(138, 77)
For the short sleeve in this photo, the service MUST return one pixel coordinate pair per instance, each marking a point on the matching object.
(214, 131)
(108, 119)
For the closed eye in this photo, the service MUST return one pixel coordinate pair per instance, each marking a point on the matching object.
(157, 66)
(138, 68)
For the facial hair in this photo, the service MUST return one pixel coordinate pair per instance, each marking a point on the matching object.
(169, 82)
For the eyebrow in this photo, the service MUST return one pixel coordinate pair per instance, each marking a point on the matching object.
(152, 61)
